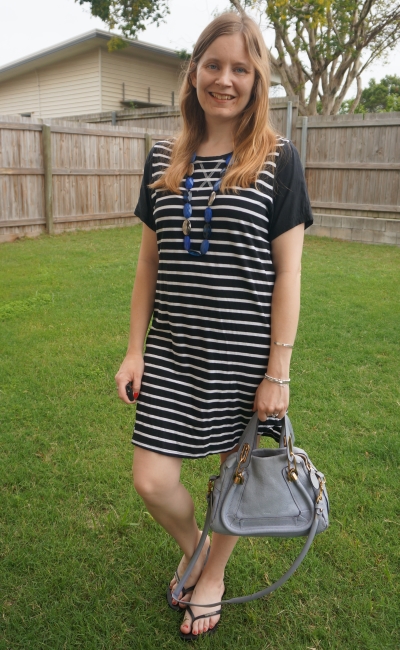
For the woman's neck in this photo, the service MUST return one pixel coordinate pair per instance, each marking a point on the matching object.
(218, 140)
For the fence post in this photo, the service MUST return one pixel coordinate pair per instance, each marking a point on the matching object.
(148, 143)
(114, 118)
(289, 114)
(48, 179)
(303, 150)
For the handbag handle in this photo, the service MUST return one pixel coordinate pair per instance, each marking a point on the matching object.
(249, 437)
(258, 594)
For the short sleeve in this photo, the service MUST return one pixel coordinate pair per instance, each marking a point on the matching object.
(145, 206)
(291, 203)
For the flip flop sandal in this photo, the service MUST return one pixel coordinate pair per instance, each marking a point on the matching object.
(185, 590)
(195, 637)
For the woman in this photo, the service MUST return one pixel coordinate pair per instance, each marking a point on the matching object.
(219, 271)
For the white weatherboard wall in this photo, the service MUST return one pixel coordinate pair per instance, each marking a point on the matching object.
(64, 88)
(138, 74)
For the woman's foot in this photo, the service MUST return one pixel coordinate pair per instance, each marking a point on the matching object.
(208, 590)
(194, 575)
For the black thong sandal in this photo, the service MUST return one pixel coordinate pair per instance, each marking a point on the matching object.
(186, 590)
(194, 637)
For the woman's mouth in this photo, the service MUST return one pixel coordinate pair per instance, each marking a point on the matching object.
(221, 97)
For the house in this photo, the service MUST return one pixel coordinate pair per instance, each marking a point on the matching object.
(81, 76)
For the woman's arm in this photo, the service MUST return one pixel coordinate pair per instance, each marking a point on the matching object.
(142, 305)
(286, 254)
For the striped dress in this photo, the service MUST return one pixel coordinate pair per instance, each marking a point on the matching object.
(208, 345)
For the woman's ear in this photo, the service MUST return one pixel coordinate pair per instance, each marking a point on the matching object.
(193, 78)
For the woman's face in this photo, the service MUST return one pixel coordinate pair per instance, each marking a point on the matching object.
(224, 79)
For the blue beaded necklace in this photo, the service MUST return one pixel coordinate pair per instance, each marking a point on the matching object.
(208, 214)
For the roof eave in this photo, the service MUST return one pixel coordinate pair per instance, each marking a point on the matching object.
(96, 33)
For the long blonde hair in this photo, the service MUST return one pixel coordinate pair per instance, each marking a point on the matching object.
(254, 138)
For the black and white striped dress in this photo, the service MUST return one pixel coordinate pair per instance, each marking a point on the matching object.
(208, 346)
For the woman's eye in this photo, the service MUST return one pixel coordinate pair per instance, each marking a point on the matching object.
(212, 66)
(240, 70)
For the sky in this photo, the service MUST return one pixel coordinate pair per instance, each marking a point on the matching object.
(27, 26)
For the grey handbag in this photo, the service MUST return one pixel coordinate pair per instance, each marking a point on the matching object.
(265, 493)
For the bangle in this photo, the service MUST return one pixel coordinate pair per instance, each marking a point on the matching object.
(274, 380)
(283, 345)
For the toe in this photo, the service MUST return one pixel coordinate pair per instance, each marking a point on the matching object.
(185, 627)
(213, 621)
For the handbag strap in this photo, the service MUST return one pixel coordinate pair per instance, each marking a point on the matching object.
(249, 437)
(258, 594)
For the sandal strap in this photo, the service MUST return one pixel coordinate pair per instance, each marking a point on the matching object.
(196, 618)
(185, 590)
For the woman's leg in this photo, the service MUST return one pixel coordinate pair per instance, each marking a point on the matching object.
(157, 479)
(210, 586)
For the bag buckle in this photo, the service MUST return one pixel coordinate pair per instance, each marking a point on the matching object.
(292, 471)
(321, 489)
(238, 476)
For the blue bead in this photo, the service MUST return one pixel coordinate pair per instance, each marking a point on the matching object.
(194, 253)
(186, 242)
(205, 245)
(208, 214)
(217, 185)
(228, 159)
(193, 158)
(187, 210)
(189, 183)
(187, 196)
(207, 231)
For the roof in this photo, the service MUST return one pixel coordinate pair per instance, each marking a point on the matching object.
(75, 46)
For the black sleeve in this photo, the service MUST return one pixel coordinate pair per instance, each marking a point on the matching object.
(145, 206)
(291, 204)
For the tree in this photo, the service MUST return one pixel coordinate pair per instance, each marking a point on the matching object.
(381, 97)
(324, 46)
(129, 16)
(378, 97)
(321, 47)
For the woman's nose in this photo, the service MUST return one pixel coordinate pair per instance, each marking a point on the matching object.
(224, 78)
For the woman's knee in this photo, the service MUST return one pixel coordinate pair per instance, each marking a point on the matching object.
(154, 476)
(150, 488)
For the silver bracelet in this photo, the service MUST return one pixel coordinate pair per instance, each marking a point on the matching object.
(283, 345)
(274, 380)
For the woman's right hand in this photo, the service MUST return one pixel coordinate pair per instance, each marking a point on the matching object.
(131, 369)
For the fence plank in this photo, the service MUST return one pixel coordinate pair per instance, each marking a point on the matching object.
(369, 207)
(20, 171)
(48, 178)
(353, 165)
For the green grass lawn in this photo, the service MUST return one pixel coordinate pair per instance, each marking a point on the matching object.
(83, 565)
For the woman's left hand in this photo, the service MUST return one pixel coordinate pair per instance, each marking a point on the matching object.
(271, 399)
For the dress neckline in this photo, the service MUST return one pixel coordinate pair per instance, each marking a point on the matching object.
(215, 157)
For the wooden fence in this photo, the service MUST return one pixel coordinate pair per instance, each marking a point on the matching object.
(61, 176)
(66, 175)
(352, 164)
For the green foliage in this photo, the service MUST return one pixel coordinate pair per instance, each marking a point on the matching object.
(184, 54)
(379, 97)
(130, 16)
(116, 43)
(84, 566)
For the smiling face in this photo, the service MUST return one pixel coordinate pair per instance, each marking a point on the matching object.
(224, 79)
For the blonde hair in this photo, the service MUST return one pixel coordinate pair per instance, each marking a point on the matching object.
(254, 138)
